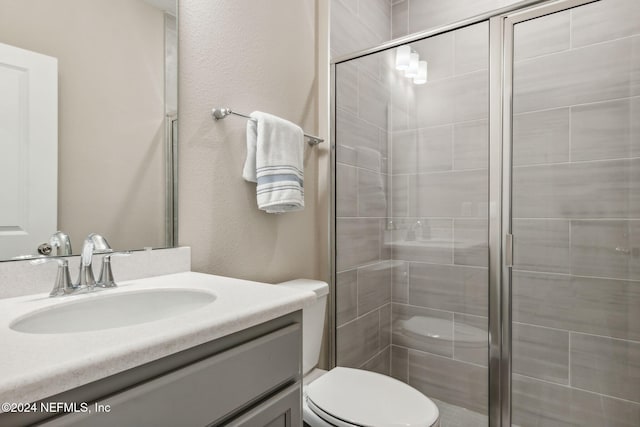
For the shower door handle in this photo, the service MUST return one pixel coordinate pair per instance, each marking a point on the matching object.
(508, 260)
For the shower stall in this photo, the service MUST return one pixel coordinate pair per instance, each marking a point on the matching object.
(486, 222)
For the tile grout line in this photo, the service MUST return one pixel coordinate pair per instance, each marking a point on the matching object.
(407, 31)
(408, 364)
(579, 389)
(570, 29)
(578, 48)
(571, 251)
(453, 337)
(453, 241)
(574, 219)
(571, 134)
(462, 122)
(633, 281)
(367, 265)
(439, 356)
(357, 185)
(443, 171)
(462, 266)
(568, 163)
(357, 90)
(408, 272)
(357, 295)
(379, 327)
(390, 38)
(360, 317)
(582, 104)
(378, 353)
(569, 361)
(571, 331)
(365, 169)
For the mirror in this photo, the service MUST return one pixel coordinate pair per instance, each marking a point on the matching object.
(88, 123)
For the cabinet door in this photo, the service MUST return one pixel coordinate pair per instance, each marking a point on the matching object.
(282, 410)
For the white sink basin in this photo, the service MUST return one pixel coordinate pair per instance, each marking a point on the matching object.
(115, 310)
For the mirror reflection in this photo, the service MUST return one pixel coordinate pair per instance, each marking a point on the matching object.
(88, 118)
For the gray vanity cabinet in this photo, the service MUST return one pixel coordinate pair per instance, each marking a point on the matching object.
(253, 381)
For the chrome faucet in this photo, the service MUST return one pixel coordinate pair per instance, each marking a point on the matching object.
(94, 243)
(61, 243)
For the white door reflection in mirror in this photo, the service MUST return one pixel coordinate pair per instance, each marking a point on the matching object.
(28, 150)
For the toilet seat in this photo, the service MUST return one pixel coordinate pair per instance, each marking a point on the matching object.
(347, 397)
(327, 418)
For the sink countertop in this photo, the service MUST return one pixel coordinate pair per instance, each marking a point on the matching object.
(35, 366)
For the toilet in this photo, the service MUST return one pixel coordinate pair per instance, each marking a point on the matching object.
(347, 397)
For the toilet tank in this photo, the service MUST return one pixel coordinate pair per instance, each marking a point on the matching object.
(312, 321)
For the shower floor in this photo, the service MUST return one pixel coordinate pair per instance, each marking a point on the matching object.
(456, 416)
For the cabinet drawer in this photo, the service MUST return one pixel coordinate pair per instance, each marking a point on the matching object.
(206, 391)
(282, 410)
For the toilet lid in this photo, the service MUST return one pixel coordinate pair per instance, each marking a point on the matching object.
(368, 399)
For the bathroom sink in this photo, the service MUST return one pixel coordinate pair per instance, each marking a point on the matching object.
(112, 310)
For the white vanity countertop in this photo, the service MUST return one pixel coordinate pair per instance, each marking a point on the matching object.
(35, 366)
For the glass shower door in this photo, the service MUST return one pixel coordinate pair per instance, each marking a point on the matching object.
(412, 219)
(576, 217)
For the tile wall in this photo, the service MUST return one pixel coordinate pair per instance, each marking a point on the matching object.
(361, 24)
(363, 263)
(576, 207)
(411, 16)
(412, 213)
(358, 25)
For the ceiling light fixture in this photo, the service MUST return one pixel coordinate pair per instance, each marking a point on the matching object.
(421, 78)
(412, 71)
(403, 56)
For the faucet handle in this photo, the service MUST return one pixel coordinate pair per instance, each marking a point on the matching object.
(105, 279)
(100, 243)
(85, 273)
(94, 243)
(63, 285)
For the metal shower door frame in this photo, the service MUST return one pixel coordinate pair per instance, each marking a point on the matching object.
(501, 192)
(501, 25)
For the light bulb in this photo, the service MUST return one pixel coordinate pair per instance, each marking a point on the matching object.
(412, 71)
(403, 56)
(421, 78)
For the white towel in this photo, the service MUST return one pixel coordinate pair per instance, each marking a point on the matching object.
(275, 153)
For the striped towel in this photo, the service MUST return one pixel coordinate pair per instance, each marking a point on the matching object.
(275, 152)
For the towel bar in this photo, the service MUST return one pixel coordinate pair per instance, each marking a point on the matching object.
(221, 113)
